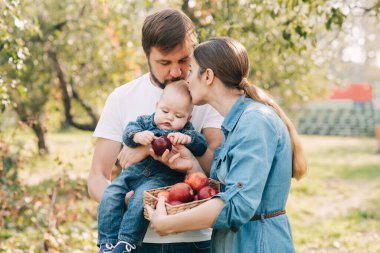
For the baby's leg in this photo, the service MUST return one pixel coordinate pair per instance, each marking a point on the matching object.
(111, 210)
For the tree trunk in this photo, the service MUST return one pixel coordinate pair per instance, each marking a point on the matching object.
(40, 133)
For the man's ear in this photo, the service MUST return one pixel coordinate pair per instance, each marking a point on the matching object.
(209, 76)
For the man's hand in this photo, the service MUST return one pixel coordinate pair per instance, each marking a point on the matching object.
(179, 138)
(144, 137)
(180, 159)
(128, 196)
(129, 156)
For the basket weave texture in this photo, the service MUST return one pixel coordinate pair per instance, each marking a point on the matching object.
(149, 198)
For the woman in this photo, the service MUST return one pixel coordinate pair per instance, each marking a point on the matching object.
(260, 154)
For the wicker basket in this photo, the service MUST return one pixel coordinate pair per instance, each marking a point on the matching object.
(151, 199)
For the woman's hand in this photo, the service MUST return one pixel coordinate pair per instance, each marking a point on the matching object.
(158, 217)
(180, 158)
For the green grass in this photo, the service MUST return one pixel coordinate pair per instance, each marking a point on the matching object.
(335, 208)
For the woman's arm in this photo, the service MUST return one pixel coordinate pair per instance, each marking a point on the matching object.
(200, 217)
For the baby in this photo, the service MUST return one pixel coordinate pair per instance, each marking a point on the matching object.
(120, 230)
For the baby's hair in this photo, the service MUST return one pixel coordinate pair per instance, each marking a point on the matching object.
(180, 87)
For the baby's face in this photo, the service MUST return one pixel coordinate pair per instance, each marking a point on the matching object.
(173, 111)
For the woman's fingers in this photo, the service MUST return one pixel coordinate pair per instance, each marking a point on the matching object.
(155, 214)
(174, 157)
(150, 211)
(165, 156)
(160, 208)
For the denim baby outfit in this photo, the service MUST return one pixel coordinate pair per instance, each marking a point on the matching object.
(114, 222)
(254, 164)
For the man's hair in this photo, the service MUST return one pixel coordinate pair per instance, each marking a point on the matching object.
(166, 29)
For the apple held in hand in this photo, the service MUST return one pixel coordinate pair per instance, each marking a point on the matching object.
(196, 180)
(181, 192)
(206, 192)
(161, 144)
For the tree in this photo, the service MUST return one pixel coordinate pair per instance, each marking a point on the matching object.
(280, 36)
(75, 57)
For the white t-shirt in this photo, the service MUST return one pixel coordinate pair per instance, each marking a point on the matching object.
(139, 97)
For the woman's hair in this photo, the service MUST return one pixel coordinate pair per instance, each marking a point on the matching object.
(229, 61)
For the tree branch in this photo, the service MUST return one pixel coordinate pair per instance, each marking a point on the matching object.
(68, 95)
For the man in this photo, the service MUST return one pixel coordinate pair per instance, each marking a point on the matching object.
(168, 40)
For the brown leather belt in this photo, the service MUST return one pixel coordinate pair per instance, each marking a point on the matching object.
(268, 215)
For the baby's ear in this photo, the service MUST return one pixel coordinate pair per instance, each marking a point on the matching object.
(189, 118)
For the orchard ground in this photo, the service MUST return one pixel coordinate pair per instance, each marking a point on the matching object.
(334, 209)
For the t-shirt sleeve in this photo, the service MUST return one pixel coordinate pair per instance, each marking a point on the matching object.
(110, 125)
(213, 119)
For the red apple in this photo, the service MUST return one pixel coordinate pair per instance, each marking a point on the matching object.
(196, 180)
(196, 197)
(161, 144)
(175, 202)
(164, 194)
(181, 192)
(206, 192)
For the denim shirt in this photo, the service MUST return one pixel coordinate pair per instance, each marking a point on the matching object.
(197, 146)
(254, 164)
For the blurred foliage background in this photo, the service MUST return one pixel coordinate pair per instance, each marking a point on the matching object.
(60, 59)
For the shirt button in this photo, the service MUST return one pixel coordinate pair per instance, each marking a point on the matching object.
(240, 185)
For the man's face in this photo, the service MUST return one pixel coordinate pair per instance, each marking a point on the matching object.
(167, 67)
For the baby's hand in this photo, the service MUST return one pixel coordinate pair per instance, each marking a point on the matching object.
(144, 137)
(179, 138)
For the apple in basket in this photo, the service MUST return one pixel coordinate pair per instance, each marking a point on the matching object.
(164, 194)
(196, 180)
(175, 202)
(206, 192)
(181, 192)
(161, 144)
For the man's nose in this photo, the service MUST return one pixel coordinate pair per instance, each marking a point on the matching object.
(175, 71)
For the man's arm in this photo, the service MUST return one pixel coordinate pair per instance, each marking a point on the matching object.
(103, 160)
(214, 138)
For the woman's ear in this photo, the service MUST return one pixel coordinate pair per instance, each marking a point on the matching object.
(209, 76)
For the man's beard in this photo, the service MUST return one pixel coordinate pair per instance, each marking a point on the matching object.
(162, 84)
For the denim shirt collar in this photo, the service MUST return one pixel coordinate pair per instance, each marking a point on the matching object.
(234, 114)
(152, 123)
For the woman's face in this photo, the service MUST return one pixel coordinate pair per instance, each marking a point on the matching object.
(196, 83)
